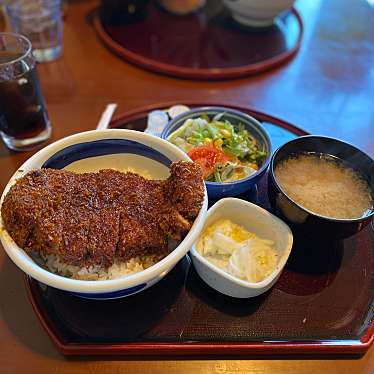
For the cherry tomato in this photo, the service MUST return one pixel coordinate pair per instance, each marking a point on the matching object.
(207, 157)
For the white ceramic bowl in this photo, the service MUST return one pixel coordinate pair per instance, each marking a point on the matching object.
(254, 219)
(257, 13)
(91, 151)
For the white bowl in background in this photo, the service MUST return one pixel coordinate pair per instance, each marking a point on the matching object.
(254, 219)
(91, 151)
(257, 13)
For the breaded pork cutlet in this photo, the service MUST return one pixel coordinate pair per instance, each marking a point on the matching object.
(92, 218)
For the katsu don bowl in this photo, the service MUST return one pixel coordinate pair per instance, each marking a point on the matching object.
(103, 214)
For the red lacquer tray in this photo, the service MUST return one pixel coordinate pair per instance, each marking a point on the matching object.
(322, 303)
(208, 44)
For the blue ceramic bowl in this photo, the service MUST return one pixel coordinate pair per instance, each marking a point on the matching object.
(88, 152)
(217, 190)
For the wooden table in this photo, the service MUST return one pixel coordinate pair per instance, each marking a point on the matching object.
(326, 89)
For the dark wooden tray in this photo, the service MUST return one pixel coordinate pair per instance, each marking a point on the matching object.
(322, 303)
(204, 45)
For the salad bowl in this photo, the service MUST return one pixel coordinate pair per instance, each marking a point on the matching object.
(245, 144)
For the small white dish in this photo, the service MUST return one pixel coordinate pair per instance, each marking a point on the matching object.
(254, 219)
(257, 13)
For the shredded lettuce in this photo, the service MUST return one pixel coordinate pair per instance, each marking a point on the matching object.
(235, 141)
(230, 171)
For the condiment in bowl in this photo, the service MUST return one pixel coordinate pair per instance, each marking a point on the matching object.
(242, 249)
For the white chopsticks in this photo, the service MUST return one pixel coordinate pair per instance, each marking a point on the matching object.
(106, 116)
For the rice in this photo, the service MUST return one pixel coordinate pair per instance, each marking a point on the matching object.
(119, 268)
(324, 186)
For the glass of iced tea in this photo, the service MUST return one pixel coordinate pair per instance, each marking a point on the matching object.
(24, 122)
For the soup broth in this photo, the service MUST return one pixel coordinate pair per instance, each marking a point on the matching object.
(325, 186)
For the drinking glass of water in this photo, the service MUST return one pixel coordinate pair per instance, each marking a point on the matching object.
(41, 22)
(24, 122)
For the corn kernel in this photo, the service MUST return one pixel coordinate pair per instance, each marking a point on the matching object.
(218, 143)
(225, 133)
(208, 141)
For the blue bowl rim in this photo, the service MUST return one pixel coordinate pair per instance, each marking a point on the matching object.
(102, 147)
(330, 219)
(245, 117)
